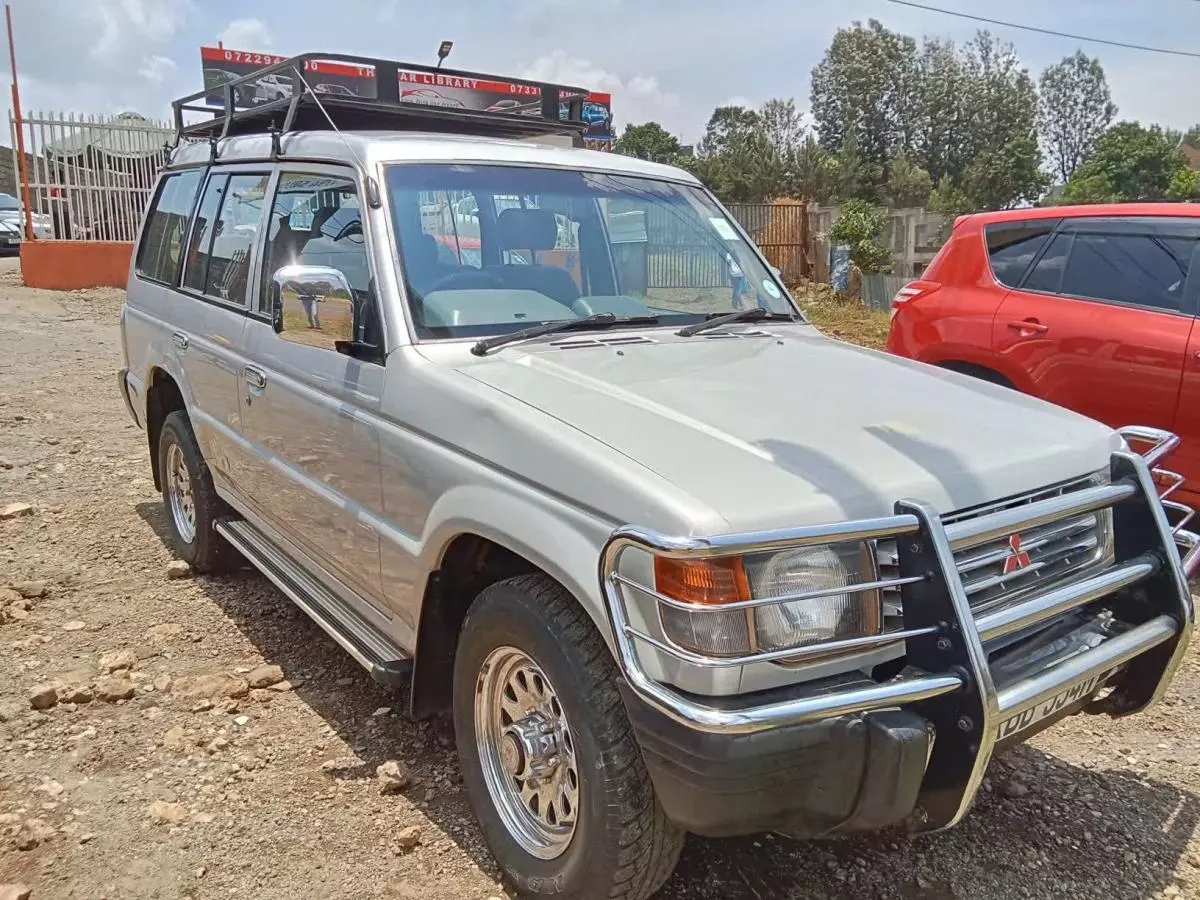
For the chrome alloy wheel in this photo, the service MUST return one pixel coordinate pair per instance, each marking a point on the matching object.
(527, 753)
(179, 491)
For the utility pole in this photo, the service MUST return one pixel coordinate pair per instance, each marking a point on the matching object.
(16, 102)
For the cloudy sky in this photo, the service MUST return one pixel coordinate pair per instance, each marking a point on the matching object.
(669, 60)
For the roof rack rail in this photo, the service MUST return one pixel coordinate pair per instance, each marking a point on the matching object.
(300, 108)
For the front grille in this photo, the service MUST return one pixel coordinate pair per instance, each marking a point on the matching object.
(1049, 554)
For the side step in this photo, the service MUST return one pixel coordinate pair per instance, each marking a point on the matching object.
(386, 662)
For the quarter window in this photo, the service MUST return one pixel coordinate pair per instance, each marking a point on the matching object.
(162, 240)
(1141, 270)
(1013, 245)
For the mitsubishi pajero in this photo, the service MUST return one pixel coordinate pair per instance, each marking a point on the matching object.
(538, 434)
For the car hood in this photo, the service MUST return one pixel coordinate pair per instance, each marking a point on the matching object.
(792, 428)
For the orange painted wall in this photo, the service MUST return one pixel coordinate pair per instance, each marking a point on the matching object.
(69, 265)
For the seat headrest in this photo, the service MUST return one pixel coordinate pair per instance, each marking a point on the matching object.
(527, 229)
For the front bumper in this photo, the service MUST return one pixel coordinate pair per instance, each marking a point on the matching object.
(853, 753)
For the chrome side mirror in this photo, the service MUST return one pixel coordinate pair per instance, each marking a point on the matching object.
(312, 305)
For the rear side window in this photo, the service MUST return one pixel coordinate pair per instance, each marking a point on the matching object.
(162, 241)
(227, 224)
(1013, 245)
(1047, 275)
(1141, 270)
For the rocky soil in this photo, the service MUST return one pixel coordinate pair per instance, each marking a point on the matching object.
(171, 736)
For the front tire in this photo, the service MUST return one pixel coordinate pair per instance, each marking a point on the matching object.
(550, 762)
(193, 506)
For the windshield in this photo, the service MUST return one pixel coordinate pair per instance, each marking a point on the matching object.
(9, 203)
(488, 249)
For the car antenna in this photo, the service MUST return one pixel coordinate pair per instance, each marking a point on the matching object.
(372, 187)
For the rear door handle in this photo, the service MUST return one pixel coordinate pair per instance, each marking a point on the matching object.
(1029, 327)
(180, 339)
(255, 377)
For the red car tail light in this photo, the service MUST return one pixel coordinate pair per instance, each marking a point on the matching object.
(912, 291)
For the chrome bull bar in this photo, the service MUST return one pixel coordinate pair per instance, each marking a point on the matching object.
(949, 679)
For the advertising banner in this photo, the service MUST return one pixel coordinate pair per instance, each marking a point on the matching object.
(427, 88)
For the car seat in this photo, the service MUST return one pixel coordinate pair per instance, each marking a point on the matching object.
(533, 230)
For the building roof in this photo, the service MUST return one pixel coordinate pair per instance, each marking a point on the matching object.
(127, 134)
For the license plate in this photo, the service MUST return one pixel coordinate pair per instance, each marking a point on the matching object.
(1026, 719)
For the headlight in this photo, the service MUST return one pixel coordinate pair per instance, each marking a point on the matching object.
(821, 569)
(827, 572)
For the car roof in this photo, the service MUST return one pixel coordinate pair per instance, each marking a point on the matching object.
(377, 147)
(1077, 211)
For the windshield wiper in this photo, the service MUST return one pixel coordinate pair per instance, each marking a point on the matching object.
(754, 314)
(599, 320)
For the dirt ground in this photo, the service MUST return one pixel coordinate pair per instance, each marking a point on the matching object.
(172, 778)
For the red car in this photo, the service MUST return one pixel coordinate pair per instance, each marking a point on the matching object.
(1089, 307)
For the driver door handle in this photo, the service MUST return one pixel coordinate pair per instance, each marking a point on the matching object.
(1028, 327)
(255, 377)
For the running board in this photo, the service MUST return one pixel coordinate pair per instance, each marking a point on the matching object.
(386, 662)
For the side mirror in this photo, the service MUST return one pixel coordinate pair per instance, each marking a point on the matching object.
(777, 272)
(315, 305)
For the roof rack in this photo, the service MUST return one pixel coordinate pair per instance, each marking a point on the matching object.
(303, 109)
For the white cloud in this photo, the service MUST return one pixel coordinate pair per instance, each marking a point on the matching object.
(246, 34)
(639, 98)
(156, 68)
(126, 27)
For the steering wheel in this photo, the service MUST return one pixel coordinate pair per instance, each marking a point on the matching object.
(471, 279)
(349, 230)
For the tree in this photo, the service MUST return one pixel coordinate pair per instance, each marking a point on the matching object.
(858, 225)
(1185, 185)
(1074, 109)
(727, 127)
(1128, 162)
(1008, 176)
(649, 141)
(858, 178)
(908, 184)
(783, 126)
(814, 172)
(948, 199)
(1000, 116)
(942, 141)
(866, 87)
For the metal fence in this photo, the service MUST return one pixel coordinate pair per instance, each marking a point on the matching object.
(89, 177)
(679, 254)
(878, 290)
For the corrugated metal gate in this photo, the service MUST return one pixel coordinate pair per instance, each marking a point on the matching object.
(781, 231)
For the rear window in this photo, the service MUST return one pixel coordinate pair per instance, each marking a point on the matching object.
(162, 240)
(1012, 246)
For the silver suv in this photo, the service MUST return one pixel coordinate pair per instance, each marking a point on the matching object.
(538, 433)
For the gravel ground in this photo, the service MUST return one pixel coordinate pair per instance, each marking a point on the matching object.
(156, 770)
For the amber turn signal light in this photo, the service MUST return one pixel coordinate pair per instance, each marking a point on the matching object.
(707, 582)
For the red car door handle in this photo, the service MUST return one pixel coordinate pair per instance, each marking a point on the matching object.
(1029, 327)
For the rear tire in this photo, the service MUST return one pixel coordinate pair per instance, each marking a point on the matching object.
(192, 504)
(526, 637)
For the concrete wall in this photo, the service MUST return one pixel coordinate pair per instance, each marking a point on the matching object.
(8, 172)
(70, 265)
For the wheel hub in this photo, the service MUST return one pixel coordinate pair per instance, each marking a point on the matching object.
(527, 753)
(535, 739)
